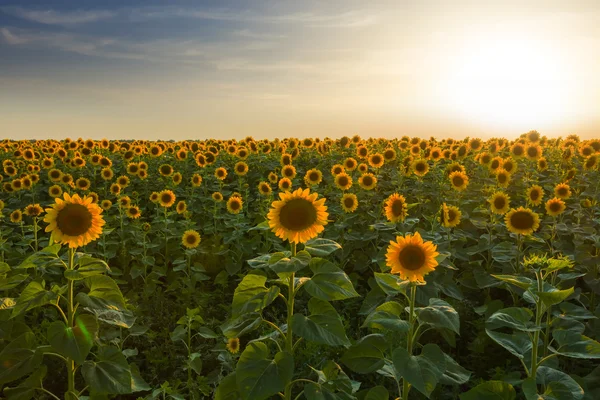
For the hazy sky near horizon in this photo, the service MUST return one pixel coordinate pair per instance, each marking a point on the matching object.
(233, 68)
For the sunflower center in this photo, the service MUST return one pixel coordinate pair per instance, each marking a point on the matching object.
(534, 195)
(368, 181)
(342, 181)
(502, 178)
(562, 191)
(522, 220)
(314, 176)
(555, 206)
(397, 208)
(74, 220)
(166, 198)
(457, 180)
(412, 257)
(451, 215)
(349, 202)
(190, 239)
(297, 214)
(420, 167)
(499, 203)
(234, 205)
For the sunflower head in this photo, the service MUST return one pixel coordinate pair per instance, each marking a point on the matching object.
(190, 239)
(285, 185)
(499, 203)
(241, 168)
(420, 167)
(343, 181)
(313, 177)
(396, 208)
(376, 160)
(367, 181)
(16, 216)
(33, 210)
(535, 194)
(459, 180)
(562, 190)
(233, 345)
(555, 207)
(74, 220)
(411, 257)
(133, 212)
(288, 171)
(450, 216)
(264, 188)
(221, 173)
(349, 202)
(234, 204)
(166, 198)
(217, 196)
(522, 220)
(298, 216)
(181, 207)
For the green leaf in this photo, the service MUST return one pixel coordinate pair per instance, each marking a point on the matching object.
(324, 324)
(105, 288)
(258, 377)
(19, 358)
(517, 343)
(555, 297)
(490, 390)
(261, 261)
(454, 374)
(195, 363)
(333, 384)
(424, 371)
(12, 281)
(387, 316)
(329, 282)
(319, 247)
(573, 311)
(377, 393)
(106, 310)
(252, 295)
(285, 264)
(228, 389)
(76, 342)
(27, 389)
(559, 386)
(138, 384)
(109, 373)
(236, 327)
(513, 317)
(34, 295)
(520, 281)
(391, 284)
(440, 315)
(87, 267)
(366, 355)
(576, 345)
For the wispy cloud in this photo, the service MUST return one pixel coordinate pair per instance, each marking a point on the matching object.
(52, 17)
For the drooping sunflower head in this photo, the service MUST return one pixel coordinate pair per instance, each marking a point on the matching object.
(555, 206)
(233, 345)
(367, 181)
(590, 163)
(166, 198)
(522, 220)
(449, 216)
(343, 181)
(499, 203)
(313, 177)
(535, 195)
(459, 180)
(411, 257)
(234, 204)
(298, 216)
(74, 220)
(562, 190)
(190, 239)
(396, 208)
(349, 202)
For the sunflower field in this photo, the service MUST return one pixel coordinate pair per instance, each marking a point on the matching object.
(350, 268)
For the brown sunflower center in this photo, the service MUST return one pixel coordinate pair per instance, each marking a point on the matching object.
(166, 198)
(314, 176)
(297, 214)
(457, 180)
(555, 206)
(367, 181)
(452, 215)
(412, 257)
(235, 205)
(502, 178)
(397, 208)
(349, 202)
(562, 191)
(522, 220)
(534, 195)
(420, 167)
(499, 202)
(532, 152)
(74, 220)
(190, 239)
(342, 181)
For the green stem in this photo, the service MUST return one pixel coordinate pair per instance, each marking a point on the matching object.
(289, 339)
(71, 393)
(409, 340)
(538, 321)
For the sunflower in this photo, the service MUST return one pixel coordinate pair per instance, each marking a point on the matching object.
(33, 210)
(106, 204)
(154, 197)
(350, 164)
(288, 171)
(459, 180)
(217, 196)
(343, 181)
(233, 345)
(221, 173)
(190, 239)
(177, 178)
(165, 170)
(535, 194)
(562, 190)
(420, 167)
(502, 177)
(376, 160)
(74, 221)
(234, 204)
(273, 178)
(241, 168)
(555, 207)
(411, 257)
(517, 150)
(533, 151)
(16, 216)
(82, 183)
(522, 220)
(313, 177)
(166, 198)
(499, 203)
(450, 216)
(389, 154)
(349, 202)
(367, 181)
(196, 180)
(107, 174)
(55, 191)
(181, 207)
(285, 184)
(124, 201)
(337, 169)
(396, 208)
(542, 164)
(123, 181)
(133, 212)
(298, 216)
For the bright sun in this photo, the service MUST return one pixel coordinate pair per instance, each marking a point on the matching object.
(511, 82)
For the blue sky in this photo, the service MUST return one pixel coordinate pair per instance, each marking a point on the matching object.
(188, 69)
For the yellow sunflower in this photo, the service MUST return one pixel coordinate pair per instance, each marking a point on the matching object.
(343, 181)
(499, 203)
(133, 212)
(367, 181)
(196, 180)
(264, 188)
(420, 167)
(450, 216)
(288, 171)
(55, 191)
(190, 239)
(181, 207)
(350, 164)
(298, 216)
(217, 196)
(154, 197)
(535, 195)
(562, 190)
(411, 257)
(285, 184)
(74, 221)
(337, 169)
(221, 173)
(522, 220)
(459, 180)
(241, 168)
(106, 204)
(233, 345)
(502, 177)
(16, 216)
(376, 160)
(349, 202)
(396, 208)
(33, 210)
(555, 206)
(313, 177)
(166, 198)
(234, 205)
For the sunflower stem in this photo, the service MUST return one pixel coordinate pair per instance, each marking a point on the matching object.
(410, 336)
(70, 317)
(289, 339)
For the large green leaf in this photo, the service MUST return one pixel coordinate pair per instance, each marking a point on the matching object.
(258, 377)
(324, 324)
(319, 247)
(424, 371)
(555, 297)
(12, 281)
(75, 342)
(375, 393)
(576, 345)
(516, 343)
(109, 373)
(87, 266)
(286, 264)
(440, 315)
(520, 281)
(19, 358)
(391, 284)
(490, 390)
(387, 316)
(518, 318)
(329, 282)
(559, 386)
(105, 288)
(252, 295)
(27, 389)
(455, 374)
(106, 310)
(34, 295)
(237, 327)
(333, 383)
(366, 355)
(228, 388)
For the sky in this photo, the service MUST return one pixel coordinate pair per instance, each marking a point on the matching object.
(232, 68)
